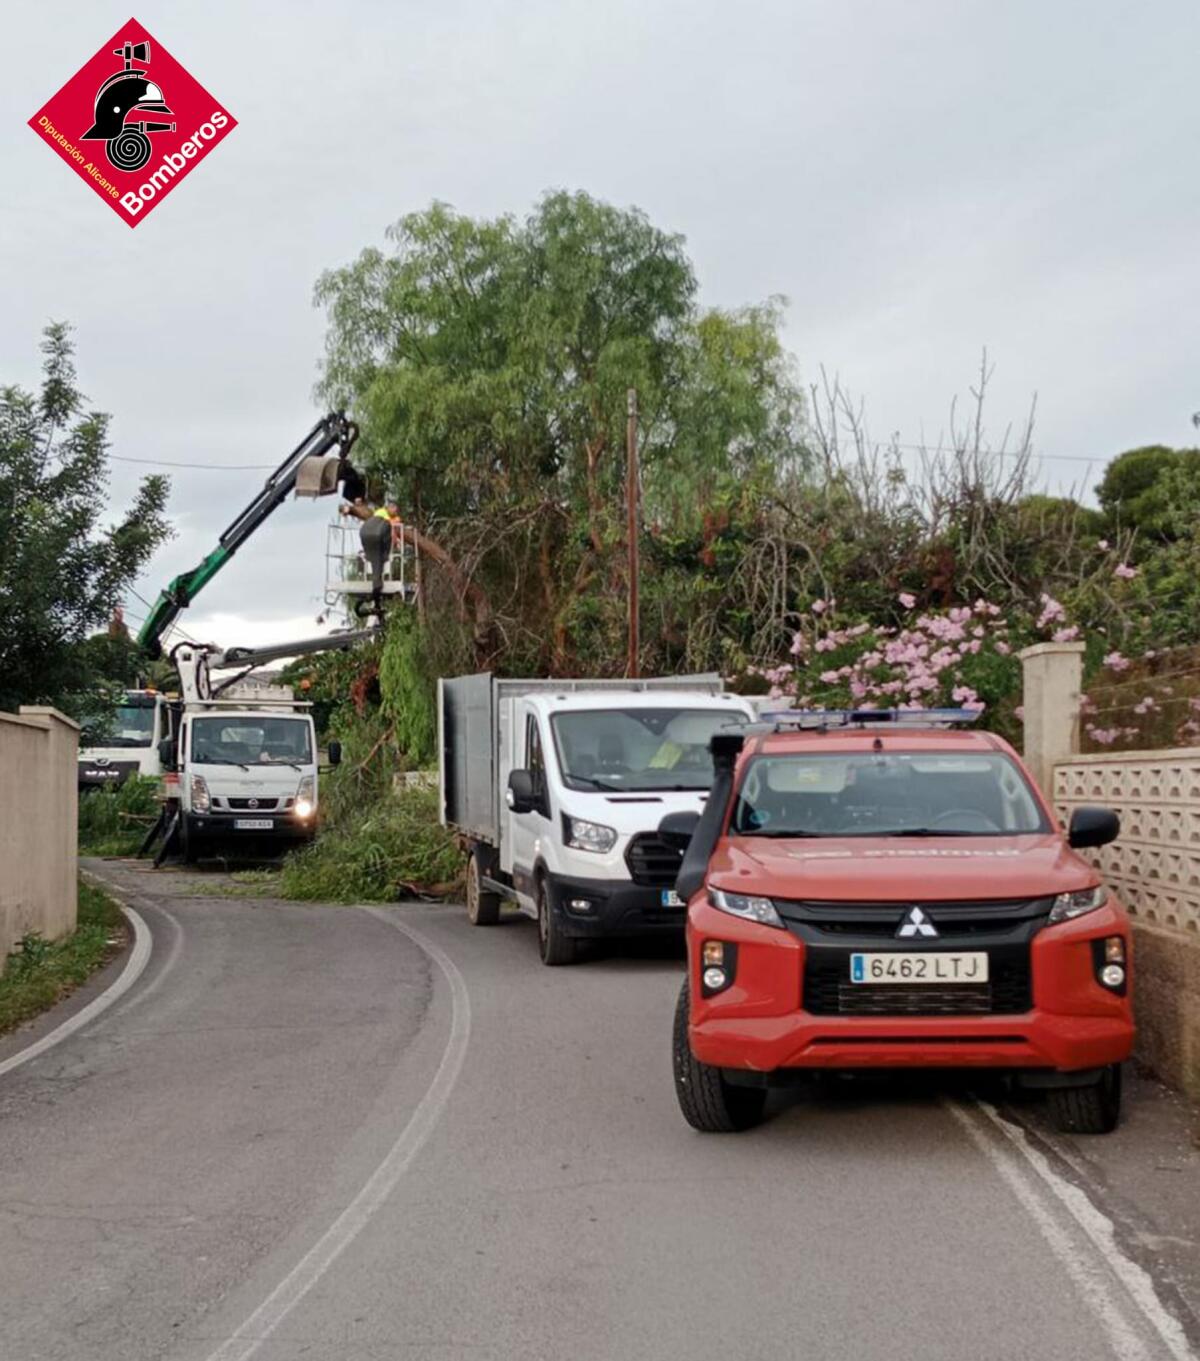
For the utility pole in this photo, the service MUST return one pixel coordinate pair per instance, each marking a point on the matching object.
(632, 668)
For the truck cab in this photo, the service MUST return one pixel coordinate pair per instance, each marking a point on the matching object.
(246, 775)
(131, 744)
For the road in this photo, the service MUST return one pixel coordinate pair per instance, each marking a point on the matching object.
(352, 1135)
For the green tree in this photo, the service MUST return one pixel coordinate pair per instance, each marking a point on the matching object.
(489, 362)
(1143, 489)
(62, 568)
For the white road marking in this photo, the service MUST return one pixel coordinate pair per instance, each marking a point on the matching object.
(173, 953)
(1092, 1277)
(129, 975)
(382, 1182)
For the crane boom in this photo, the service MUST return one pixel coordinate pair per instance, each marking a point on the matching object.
(195, 661)
(322, 471)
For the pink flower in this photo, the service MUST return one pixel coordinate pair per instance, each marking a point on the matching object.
(1124, 571)
(1115, 662)
(1052, 611)
(819, 606)
(830, 677)
(1002, 647)
(963, 694)
(1067, 635)
(908, 601)
(1019, 713)
(798, 646)
(824, 645)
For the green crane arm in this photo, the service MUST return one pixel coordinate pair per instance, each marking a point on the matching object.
(332, 432)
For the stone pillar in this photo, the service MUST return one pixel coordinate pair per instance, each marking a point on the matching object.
(1053, 678)
(60, 834)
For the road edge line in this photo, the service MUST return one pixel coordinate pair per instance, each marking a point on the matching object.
(1095, 1226)
(139, 957)
(308, 1271)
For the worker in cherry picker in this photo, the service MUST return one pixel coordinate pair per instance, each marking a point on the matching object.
(380, 533)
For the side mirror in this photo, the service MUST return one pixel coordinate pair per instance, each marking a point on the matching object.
(520, 795)
(335, 753)
(677, 829)
(1093, 827)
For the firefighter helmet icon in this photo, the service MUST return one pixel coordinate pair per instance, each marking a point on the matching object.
(127, 144)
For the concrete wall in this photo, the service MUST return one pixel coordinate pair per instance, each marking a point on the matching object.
(38, 816)
(1154, 867)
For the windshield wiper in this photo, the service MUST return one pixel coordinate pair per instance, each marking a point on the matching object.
(597, 784)
(922, 831)
(784, 833)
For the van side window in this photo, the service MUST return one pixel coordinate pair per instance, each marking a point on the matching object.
(535, 762)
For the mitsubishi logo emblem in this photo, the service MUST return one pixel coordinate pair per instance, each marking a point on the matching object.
(916, 924)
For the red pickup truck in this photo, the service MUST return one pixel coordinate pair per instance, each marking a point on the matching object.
(882, 889)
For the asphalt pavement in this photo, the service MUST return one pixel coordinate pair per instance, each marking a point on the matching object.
(344, 1134)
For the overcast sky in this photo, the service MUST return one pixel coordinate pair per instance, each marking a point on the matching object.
(920, 179)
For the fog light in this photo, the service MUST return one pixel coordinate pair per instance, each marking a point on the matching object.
(580, 904)
(714, 952)
(714, 979)
(1114, 950)
(1112, 976)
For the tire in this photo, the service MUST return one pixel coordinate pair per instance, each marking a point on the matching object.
(1094, 1109)
(554, 945)
(708, 1102)
(483, 908)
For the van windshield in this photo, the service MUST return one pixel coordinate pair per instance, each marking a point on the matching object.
(886, 794)
(237, 740)
(638, 749)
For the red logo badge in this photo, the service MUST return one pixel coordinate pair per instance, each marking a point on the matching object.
(132, 123)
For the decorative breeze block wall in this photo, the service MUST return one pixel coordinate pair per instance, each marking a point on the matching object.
(1155, 863)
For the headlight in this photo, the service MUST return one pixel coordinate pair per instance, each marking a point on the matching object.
(751, 909)
(1068, 905)
(200, 800)
(589, 836)
(305, 798)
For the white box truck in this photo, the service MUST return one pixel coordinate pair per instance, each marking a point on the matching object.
(557, 788)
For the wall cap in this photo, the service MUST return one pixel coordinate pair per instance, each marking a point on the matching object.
(1103, 758)
(1049, 649)
(47, 711)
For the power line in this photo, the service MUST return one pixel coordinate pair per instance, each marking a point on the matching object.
(203, 467)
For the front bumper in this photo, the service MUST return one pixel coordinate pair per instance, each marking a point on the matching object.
(759, 1023)
(211, 828)
(616, 907)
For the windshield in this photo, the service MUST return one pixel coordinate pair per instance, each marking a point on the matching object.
(638, 749)
(886, 794)
(132, 725)
(237, 740)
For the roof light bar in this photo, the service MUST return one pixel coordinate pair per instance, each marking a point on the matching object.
(783, 719)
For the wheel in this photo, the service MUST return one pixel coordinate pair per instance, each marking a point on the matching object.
(708, 1102)
(483, 907)
(554, 945)
(1094, 1109)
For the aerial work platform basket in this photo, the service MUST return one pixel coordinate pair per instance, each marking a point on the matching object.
(348, 574)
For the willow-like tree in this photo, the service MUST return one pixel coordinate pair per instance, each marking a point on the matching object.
(488, 362)
(63, 568)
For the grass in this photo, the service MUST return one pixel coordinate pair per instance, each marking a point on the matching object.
(385, 846)
(40, 972)
(115, 821)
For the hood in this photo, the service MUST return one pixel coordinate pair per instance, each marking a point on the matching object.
(900, 869)
(630, 813)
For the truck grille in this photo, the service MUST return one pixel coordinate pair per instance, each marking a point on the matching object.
(652, 862)
(833, 931)
(252, 805)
